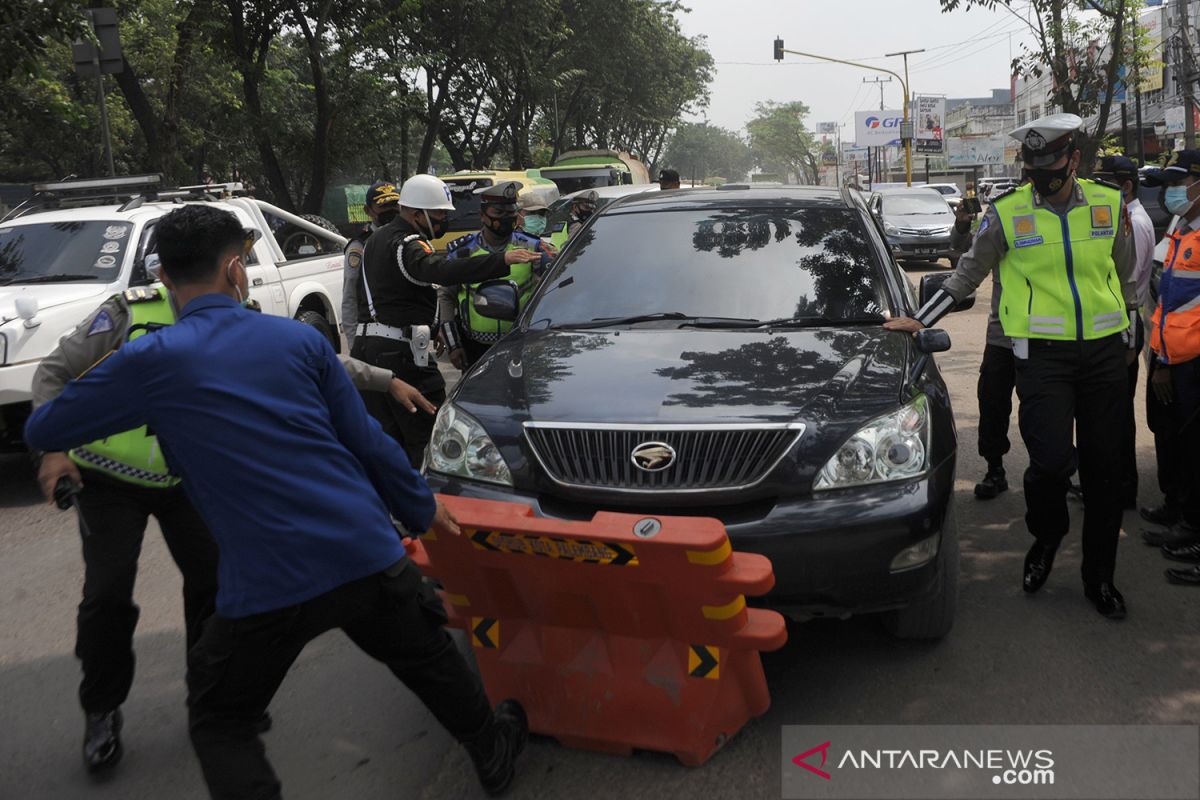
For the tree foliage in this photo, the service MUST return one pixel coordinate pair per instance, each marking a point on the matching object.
(295, 95)
(780, 143)
(700, 151)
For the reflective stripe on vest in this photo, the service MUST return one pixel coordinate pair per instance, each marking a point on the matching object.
(133, 456)
(479, 327)
(1058, 278)
(1175, 333)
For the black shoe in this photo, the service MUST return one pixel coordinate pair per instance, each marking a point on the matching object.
(993, 483)
(1107, 600)
(495, 752)
(1160, 515)
(1178, 535)
(1188, 576)
(1189, 553)
(102, 740)
(1038, 563)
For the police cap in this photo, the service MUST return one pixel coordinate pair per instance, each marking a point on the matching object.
(501, 196)
(382, 193)
(1181, 164)
(1117, 168)
(588, 198)
(1047, 139)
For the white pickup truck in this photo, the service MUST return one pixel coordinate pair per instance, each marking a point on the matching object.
(76, 243)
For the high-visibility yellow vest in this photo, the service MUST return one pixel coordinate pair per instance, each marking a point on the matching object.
(476, 326)
(1058, 277)
(134, 456)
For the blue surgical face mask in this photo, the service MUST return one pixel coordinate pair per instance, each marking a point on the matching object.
(535, 224)
(1177, 201)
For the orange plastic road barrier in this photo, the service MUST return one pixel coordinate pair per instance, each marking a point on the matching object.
(619, 633)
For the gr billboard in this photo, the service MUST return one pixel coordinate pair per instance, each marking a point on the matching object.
(877, 128)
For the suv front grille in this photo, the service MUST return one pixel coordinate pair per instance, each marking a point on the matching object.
(707, 457)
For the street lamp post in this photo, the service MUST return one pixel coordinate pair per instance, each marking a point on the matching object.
(909, 138)
(780, 50)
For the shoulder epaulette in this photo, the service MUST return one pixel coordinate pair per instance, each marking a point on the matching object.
(461, 241)
(141, 294)
(1104, 183)
(1003, 194)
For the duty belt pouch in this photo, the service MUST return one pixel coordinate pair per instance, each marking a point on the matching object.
(419, 342)
(1020, 348)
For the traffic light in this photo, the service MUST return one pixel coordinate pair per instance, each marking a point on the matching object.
(778, 49)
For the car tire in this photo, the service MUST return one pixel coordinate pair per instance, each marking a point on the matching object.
(317, 320)
(933, 617)
(291, 238)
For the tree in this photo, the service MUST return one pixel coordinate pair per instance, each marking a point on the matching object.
(780, 143)
(28, 28)
(1081, 53)
(700, 151)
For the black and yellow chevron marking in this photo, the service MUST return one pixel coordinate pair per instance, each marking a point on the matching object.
(485, 632)
(704, 661)
(578, 550)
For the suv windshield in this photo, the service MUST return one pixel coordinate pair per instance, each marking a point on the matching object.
(898, 205)
(734, 263)
(43, 252)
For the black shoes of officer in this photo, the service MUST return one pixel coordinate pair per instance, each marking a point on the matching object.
(495, 751)
(993, 483)
(1185, 576)
(1189, 553)
(1178, 535)
(1164, 515)
(102, 740)
(1038, 563)
(1105, 597)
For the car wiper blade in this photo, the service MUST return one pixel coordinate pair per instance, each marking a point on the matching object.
(603, 322)
(61, 277)
(820, 322)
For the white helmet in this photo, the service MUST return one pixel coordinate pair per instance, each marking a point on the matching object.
(426, 192)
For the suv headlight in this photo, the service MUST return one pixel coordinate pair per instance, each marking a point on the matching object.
(460, 446)
(890, 229)
(889, 448)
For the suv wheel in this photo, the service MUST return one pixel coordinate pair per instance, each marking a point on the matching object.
(318, 321)
(932, 617)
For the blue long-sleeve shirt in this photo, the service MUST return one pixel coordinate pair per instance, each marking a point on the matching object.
(293, 477)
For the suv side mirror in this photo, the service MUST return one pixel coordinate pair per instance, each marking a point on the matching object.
(927, 341)
(498, 299)
(931, 283)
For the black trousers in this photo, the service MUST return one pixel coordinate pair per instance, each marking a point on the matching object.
(411, 430)
(997, 379)
(1168, 448)
(1185, 419)
(1129, 469)
(1066, 389)
(237, 666)
(115, 516)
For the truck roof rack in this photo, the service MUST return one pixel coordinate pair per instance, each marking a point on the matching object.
(130, 190)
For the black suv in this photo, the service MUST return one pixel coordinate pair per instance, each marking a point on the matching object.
(720, 353)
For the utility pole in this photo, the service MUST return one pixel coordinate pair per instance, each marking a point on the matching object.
(881, 82)
(1185, 66)
(880, 151)
(907, 128)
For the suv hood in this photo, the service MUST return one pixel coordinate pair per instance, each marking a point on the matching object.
(687, 376)
(920, 220)
(50, 295)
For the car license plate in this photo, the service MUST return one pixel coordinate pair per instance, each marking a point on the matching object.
(926, 250)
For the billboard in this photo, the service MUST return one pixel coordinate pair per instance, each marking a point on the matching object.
(827, 128)
(975, 151)
(1152, 76)
(877, 128)
(1176, 122)
(929, 114)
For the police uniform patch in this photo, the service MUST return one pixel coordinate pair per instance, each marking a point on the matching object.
(984, 224)
(425, 246)
(1024, 225)
(1102, 217)
(354, 259)
(103, 323)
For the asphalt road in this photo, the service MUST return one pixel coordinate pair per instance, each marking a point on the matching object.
(345, 729)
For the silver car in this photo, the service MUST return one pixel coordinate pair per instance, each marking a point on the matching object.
(917, 223)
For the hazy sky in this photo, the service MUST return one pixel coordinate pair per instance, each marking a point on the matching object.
(967, 52)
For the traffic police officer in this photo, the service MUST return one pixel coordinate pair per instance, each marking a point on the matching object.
(1066, 267)
(125, 479)
(498, 216)
(381, 207)
(1175, 339)
(398, 302)
(582, 208)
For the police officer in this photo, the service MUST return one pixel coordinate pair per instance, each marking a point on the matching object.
(1175, 339)
(125, 479)
(258, 417)
(1066, 268)
(582, 208)
(498, 216)
(381, 207)
(533, 210)
(398, 302)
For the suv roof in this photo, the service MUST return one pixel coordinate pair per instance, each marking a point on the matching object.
(740, 194)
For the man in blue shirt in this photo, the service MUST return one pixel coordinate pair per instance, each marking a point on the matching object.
(298, 486)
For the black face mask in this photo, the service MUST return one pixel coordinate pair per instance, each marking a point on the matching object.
(438, 227)
(502, 226)
(584, 213)
(1048, 182)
